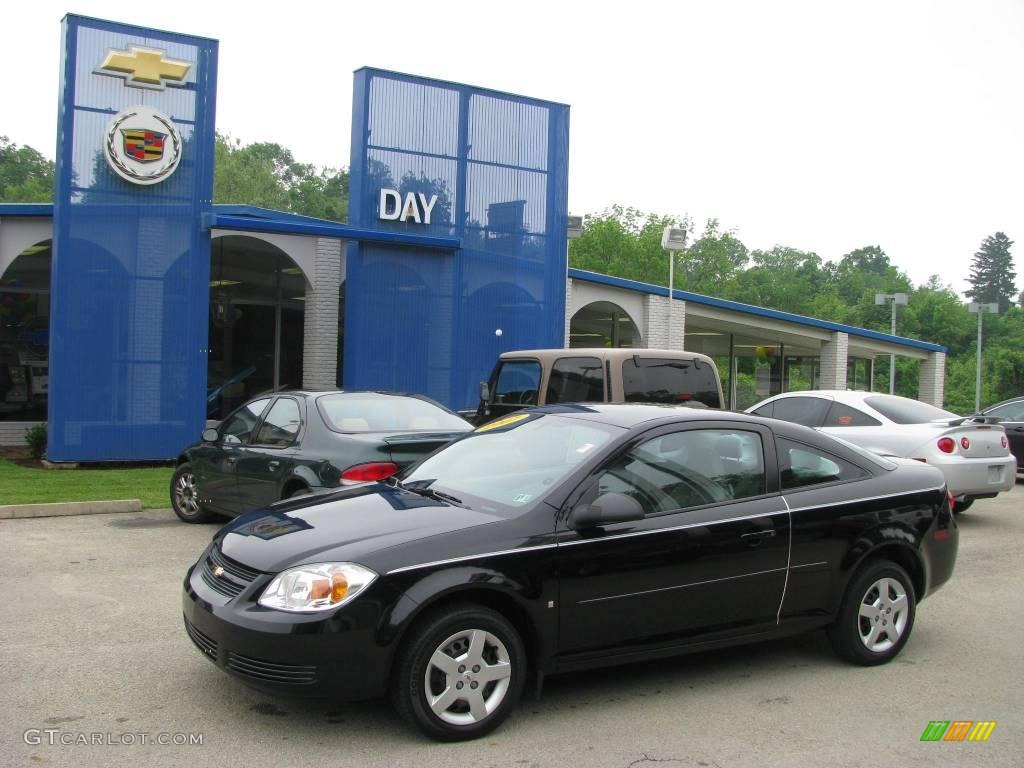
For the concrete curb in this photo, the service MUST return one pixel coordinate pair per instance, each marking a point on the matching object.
(66, 508)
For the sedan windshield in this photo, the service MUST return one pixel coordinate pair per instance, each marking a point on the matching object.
(512, 462)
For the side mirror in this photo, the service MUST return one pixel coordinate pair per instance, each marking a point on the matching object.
(606, 509)
(210, 435)
(485, 392)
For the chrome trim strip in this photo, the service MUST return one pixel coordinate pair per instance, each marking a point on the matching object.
(471, 557)
(808, 565)
(789, 559)
(857, 501)
(673, 528)
(678, 586)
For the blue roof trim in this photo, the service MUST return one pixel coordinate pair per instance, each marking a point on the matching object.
(320, 228)
(254, 211)
(750, 309)
(26, 209)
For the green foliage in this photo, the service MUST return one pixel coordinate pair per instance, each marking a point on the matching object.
(268, 175)
(992, 275)
(25, 175)
(35, 438)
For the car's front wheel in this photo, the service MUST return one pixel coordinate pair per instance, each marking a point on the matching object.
(185, 496)
(460, 674)
(876, 616)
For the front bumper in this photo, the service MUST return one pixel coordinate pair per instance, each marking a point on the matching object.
(339, 654)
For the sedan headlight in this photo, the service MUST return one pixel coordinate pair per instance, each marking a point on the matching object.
(316, 587)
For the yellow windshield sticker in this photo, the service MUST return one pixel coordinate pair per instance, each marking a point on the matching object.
(503, 422)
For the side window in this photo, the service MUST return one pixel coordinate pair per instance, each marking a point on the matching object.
(809, 411)
(800, 465)
(656, 380)
(576, 380)
(688, 469)
(517, 383)
(840, 415)
(1009, 412)
(239, 425)
(281, 425)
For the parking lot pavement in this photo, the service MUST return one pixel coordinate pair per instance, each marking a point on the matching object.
(92, 638)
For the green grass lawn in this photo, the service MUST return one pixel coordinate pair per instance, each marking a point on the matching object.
(24, 485)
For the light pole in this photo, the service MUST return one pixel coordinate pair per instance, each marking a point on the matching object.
(895, 298)
(979, 309)
(673, 239)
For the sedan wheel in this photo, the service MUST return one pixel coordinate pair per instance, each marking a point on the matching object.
(877, 615)
(185, 496)
(461, 674)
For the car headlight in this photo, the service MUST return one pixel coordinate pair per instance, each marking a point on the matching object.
(316, 587)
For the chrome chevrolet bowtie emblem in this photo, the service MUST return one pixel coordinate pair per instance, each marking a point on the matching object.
(145, 68)
(218, 571)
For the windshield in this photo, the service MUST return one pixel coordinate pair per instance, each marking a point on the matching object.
(377, 412)
(512, 462)
(903, 410)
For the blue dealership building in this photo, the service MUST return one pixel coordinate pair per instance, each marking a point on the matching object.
(133, 309)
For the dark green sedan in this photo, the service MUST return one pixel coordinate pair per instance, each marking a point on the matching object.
(294, 443)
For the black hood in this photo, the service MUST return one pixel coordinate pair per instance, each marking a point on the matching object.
(351, 525)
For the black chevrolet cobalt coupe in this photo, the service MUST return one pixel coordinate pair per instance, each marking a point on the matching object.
(570, 537)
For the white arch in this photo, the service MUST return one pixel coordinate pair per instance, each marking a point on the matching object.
(299, 248)
(18, 234)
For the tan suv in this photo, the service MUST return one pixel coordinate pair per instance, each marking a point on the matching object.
(545, 376)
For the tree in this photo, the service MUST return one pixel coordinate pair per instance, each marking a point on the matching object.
(625, 242)
(25, 175)
(268, 175)
(992, 275)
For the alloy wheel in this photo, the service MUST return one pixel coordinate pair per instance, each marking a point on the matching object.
(467, 677)
(883, 614)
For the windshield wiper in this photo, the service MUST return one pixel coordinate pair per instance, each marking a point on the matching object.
(422, 488)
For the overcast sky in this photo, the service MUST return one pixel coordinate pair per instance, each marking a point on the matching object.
(824, 125)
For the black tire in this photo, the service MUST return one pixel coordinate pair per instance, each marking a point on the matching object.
(879, 632)
(299, 490)
(962, 506)
(184, 499)
(453, 631)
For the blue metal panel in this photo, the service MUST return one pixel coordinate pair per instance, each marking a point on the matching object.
(750, 309)
(26, 209)
(130, 270)
(433, 322)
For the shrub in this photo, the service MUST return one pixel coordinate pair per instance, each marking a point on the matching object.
(35, 437)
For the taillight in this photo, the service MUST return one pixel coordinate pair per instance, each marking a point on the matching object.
(374, 470)
(1002, 441)
(965, 443)
(946, 444)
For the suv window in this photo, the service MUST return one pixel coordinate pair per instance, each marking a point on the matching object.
(903, 410)
(517, 383)
(842, 415)
(281, 425)
(239, 425)
(809, 411)
(800, 465)
(576, 380)
(655, 380)
(688, 469)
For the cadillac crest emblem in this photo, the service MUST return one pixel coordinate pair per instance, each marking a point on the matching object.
(142, 145)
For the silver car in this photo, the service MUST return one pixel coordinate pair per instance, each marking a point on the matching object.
(973, 454)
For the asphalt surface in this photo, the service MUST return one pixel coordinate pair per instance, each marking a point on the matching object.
(92, 643)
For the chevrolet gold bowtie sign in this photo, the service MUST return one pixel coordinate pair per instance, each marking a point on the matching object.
(145, 68)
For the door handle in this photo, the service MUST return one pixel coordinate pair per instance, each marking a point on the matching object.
(755, 536)
(273, 464)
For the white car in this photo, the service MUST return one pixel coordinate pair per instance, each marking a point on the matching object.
(973, 454)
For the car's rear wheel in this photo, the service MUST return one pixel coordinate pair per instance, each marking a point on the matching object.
(298, 490)
(962, 505)
(877, 615)
(460, 674)
(185, 496)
